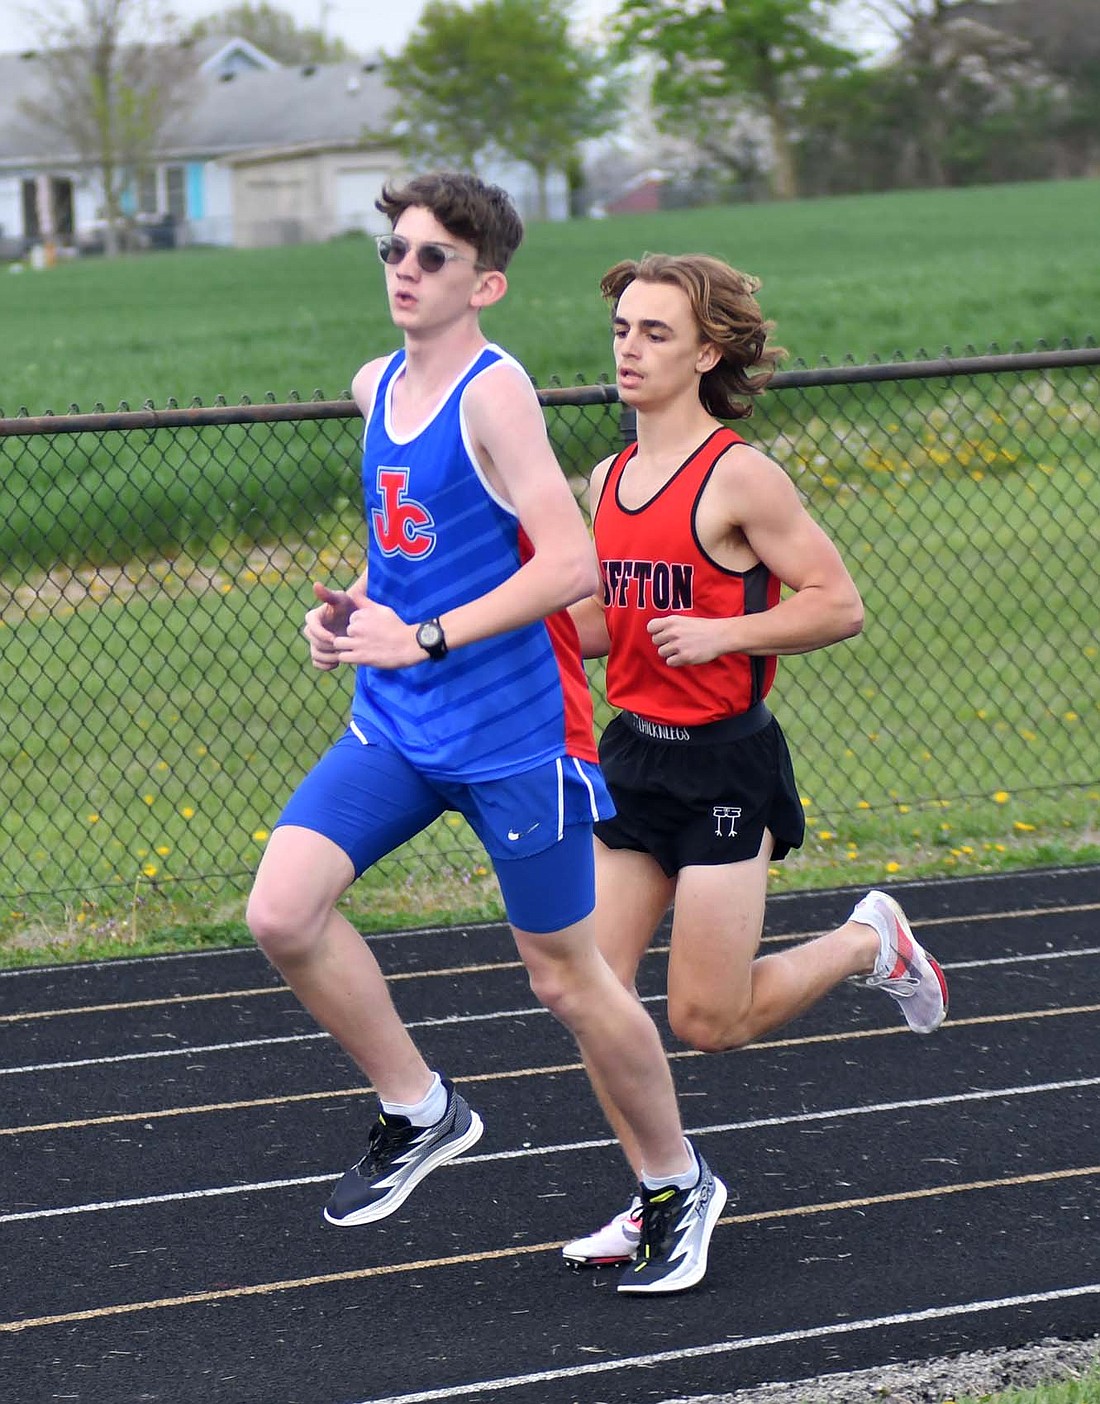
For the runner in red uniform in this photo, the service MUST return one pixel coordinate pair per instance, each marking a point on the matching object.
(697, 534)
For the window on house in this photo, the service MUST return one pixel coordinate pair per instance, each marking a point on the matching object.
(147, 192)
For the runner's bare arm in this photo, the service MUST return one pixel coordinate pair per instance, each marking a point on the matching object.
(758, 498)
(588, 615)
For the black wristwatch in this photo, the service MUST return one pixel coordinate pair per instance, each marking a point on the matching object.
(432, 639)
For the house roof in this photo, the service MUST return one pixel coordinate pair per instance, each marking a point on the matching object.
(307, 105)
(312, 104)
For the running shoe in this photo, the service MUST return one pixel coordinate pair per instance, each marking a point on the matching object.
(398, 1157)
(676, 1229)
(616, 1242)
(904, 969)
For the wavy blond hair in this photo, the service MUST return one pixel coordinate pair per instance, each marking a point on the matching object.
(723, 303)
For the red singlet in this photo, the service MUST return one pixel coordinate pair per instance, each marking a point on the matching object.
(653, 565)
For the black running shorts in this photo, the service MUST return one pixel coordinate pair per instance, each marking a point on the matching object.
(700, 795)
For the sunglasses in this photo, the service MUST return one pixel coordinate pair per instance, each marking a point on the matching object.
(392, 249)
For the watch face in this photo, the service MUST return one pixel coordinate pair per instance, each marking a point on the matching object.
(431, 639)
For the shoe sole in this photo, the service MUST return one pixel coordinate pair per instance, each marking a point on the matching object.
(382, 1208)
(698, 1271)
(607, 1261)
(903, 921)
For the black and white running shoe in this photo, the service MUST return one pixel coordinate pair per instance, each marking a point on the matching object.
(398, 1157)
(676, 1229)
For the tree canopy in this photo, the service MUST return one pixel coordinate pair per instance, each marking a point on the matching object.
(712, 55)
(500, 78)
(112, 89)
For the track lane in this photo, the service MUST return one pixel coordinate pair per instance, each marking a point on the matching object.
(835, 1176)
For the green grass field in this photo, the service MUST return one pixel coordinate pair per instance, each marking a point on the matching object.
(866, 276)
(950, 502)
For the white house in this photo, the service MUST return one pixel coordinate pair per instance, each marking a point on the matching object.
(262, 153)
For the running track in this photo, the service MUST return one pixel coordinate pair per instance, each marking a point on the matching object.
(169, 1129)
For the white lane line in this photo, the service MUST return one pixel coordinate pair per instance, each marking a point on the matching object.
(247, 950)
(730, 1347)
(782, 938)
(456, 1019)
(182, 1001)
(190, 1049)
(1018, 959)
(529, 1152)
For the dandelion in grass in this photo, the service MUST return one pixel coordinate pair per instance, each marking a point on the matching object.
(260, 835)
(825, 835)
(1022, 828)
(164, 850)
(1070, 716)
(187, 812)
(148, 799)
(150, 870)
(862, 804)
(93, 818)
(1001, 797)
(893, 866)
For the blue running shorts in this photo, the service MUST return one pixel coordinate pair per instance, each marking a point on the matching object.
(536, 826)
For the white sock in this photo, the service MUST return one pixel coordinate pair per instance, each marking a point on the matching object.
(426, 1112)
(681, 1182)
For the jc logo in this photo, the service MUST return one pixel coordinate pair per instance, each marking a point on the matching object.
(401, 525)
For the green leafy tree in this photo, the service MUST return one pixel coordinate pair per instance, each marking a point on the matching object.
(503, 77)
(713, 55)
(275, 31)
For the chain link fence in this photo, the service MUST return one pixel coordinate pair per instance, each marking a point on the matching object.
(158, 707)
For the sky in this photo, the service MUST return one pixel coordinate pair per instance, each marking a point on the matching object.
(365, 25)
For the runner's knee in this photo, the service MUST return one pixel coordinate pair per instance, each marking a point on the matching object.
(708, 1028)
(284, 931)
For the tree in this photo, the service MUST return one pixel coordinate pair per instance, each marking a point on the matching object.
(503, 77)
(961, 74)
(275, 31)
(755, 54)
(1064, 37)
(110, 88)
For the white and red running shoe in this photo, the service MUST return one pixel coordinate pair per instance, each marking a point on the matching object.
(904, 969)
(616, 1242)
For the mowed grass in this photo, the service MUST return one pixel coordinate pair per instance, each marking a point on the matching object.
(862, 276)
(154, 723)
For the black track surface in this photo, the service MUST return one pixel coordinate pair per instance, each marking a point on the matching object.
(170, 1127)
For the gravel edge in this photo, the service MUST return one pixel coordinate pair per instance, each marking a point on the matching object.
(1049, 1361)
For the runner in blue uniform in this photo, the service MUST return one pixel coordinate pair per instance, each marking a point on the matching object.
(470, 695)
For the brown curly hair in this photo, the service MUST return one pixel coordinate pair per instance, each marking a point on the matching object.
(723, 303)
(467, 207)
